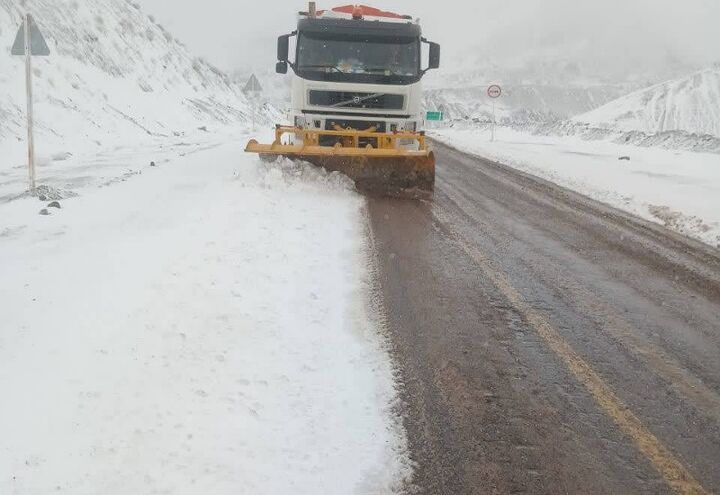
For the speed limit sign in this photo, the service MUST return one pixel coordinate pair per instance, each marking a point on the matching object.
(494, 91)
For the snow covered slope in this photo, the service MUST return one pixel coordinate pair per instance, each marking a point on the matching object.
(114, 76)
(690, 104)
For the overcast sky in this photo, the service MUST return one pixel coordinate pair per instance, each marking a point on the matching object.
(241, 33)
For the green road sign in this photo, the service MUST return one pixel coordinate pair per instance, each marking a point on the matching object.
(434, 116)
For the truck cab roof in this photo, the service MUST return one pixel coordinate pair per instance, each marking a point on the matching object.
(332, 27)
(358, 12)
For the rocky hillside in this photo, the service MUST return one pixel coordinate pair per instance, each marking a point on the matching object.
(114, 76)
(689, 104)
(519, 103)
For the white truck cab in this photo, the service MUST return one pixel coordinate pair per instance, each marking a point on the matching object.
(356, 67)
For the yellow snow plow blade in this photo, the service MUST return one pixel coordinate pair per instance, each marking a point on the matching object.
(373, 160)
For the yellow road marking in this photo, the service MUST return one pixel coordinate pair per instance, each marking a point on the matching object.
(669, 467)
(662, 364)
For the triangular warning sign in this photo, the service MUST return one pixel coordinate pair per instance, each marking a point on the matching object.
(252, 86)
(38, 46)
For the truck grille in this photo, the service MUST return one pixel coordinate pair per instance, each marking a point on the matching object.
(351, 99)
(358, 125)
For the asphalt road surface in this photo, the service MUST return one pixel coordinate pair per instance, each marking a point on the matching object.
(547, 343)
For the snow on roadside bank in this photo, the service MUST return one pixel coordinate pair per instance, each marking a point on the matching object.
(198, 328)
(679, 189)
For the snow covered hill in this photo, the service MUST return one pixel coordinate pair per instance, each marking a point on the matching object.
(690, 104)
(114, 76)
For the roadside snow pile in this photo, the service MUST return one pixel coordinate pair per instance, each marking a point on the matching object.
(678, 189)
(670, 140)
(286, 173)
(690, 104)
(114, 77)
(202, 327)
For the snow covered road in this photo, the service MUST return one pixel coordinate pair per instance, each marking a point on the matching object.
(201, 327)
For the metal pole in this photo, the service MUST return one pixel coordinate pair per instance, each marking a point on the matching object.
(28, 83)
(492, 138)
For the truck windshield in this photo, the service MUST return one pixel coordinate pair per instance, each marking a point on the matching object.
(372, 57)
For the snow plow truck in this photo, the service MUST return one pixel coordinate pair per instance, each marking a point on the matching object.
(356, 101)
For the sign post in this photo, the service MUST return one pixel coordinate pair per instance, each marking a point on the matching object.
(28, 42)
(494, 92)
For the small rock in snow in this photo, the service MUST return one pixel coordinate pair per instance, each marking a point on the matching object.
(54, 204)
(624, 158)
(60, 157)
(152, 164)
(45, 212)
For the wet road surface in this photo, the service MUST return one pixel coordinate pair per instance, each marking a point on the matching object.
(547, 344)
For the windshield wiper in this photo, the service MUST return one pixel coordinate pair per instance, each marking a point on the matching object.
(384, 69)
(321, 66)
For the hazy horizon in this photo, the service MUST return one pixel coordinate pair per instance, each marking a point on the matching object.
(613, 36)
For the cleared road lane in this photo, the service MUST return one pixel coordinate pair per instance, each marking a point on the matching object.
(548, 343)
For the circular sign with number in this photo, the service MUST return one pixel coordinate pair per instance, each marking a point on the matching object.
(494, 91)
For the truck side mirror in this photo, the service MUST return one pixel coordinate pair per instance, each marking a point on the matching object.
(283, 48)
(434, 62)
(281, 67)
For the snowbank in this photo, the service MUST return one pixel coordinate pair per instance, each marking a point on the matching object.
(679, 189)
(199, 326)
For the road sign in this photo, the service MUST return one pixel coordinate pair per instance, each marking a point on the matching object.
(252, 86)
(494, 91)
(38, 46)
(253, 89)
(435, 116)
